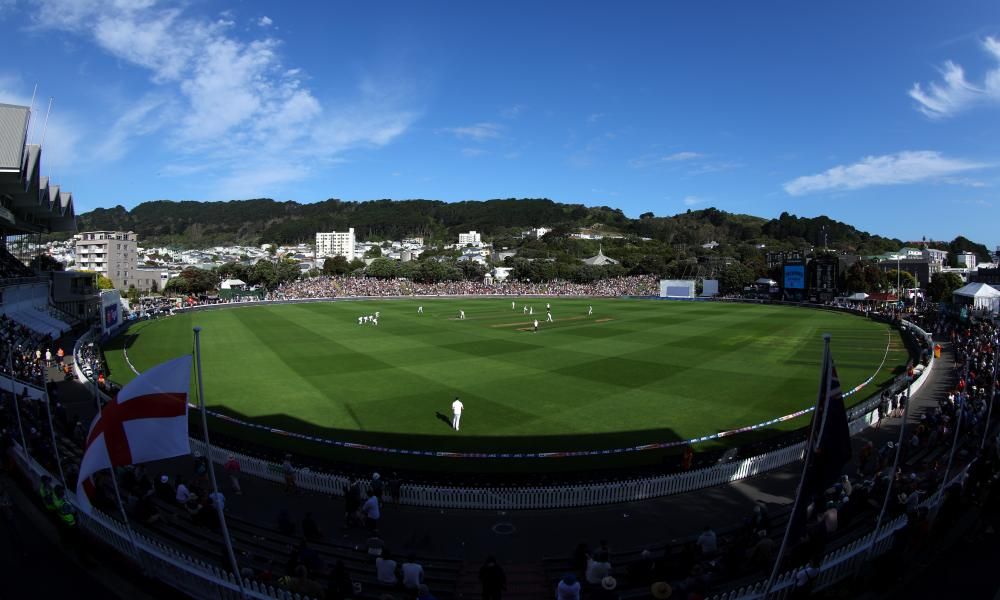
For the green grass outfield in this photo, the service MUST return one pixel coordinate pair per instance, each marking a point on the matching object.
(636, 371)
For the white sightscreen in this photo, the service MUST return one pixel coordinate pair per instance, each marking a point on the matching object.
(710, 287)
(676, 288)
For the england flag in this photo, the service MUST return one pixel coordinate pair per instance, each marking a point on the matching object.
(147, 420)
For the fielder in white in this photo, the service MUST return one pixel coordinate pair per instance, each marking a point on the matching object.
(512, 304)
(548, 317)
(590, 310)
(420, 310)
(461, 314)
(456, 413)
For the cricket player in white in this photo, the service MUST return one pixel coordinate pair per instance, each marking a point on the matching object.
(536, 325)
(590, 310)
(456, 413)
(420, 310)
(525, 311)
(513, 304)
(461, 314)
(548, 317)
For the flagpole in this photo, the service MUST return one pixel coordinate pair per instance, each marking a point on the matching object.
(895, 466)
(114, 480)
(17, 407)
(993, 395)
(823, 397)
(211, 466)
(52, 430)
(954, 444)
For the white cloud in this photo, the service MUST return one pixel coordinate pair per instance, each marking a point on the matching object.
(594, 117)
(890, 169)
(478, 132)
(651, 159)
(955, 93)
(512, 112)
(473, 152)
(226, 104)
(140, 120)
(692, 200)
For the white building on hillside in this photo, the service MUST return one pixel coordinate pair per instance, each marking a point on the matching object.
(335, 244)
(472, 238)
(966, 259)
(113, 254)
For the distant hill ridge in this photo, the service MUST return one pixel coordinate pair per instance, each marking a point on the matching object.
(199, 224)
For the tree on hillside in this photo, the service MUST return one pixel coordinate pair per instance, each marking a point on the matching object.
(382, 268)
(233, 270)
(864, 276)
(104, 283)
(264, 274)
(193, 280)
(734, 277)
(942, 285)
(373, 252)
(906, 279)
(336, 265)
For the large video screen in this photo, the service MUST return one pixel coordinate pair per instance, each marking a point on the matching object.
(795, 277)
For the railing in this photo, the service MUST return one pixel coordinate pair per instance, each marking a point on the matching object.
(184, 573)
(561, 496)
(841, 563)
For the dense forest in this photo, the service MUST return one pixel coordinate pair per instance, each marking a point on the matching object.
(199, 224)
(707, 243)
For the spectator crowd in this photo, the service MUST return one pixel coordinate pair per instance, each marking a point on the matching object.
(341, 287)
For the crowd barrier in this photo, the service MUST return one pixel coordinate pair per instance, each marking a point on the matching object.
(842, 563)
(559, 496)
(154, 559)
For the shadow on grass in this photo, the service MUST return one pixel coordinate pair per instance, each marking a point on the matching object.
(611, 459)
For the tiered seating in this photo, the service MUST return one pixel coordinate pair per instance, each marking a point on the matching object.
(11, 268)
(266, 550)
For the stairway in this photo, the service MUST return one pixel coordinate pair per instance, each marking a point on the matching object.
(525, 581)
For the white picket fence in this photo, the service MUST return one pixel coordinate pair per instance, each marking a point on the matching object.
(526, 498)
(842, 563)
(156, 560)
(556, 496)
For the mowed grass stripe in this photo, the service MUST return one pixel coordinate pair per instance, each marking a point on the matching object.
(657, 368)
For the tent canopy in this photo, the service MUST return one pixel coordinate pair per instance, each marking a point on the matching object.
(979, 295)
(858, 296)
(977, 290)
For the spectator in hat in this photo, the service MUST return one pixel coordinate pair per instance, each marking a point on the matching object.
(232, 468)
(568, 588)
(598, 567)
(164, 491)
(377, 486)
(660, 590)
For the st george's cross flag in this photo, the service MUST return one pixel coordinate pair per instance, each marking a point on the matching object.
(147, 420)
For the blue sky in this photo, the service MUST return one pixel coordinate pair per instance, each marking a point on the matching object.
(883, 115)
